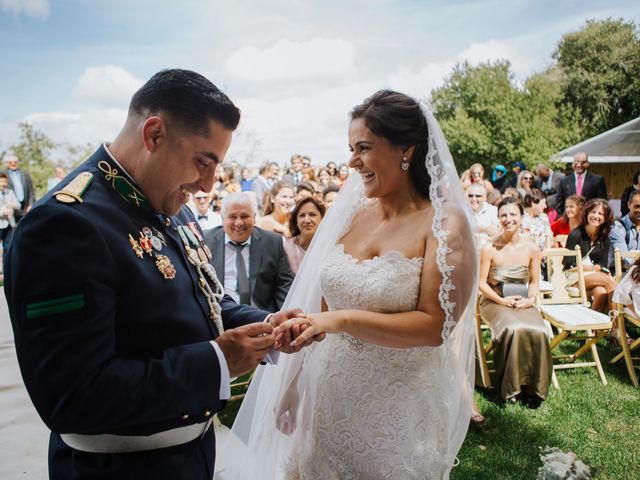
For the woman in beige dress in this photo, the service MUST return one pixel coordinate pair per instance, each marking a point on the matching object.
(509, 283)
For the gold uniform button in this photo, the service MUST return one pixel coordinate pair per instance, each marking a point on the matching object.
(184, 416)
(207, 413)
(167, 222)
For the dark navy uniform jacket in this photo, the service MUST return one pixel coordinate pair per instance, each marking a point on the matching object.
(105, 343)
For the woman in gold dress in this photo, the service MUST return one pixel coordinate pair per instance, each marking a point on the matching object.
(509, 283)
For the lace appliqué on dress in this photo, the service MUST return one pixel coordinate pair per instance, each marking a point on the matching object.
(376, 413)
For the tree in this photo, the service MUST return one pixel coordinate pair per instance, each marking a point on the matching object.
(34, 152)
(600, 66)
(488, 119)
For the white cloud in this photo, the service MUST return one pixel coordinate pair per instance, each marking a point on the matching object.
(106, 85)
(315, 58)
(78, 128)
(498, 50)
(31, 8)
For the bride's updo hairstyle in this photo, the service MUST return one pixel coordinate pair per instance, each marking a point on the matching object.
(398, 118)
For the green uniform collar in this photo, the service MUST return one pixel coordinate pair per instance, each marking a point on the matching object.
(121, 182)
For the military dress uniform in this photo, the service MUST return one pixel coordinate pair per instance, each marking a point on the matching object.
(113, 313)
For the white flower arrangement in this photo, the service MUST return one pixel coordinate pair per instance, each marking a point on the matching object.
(558, 465)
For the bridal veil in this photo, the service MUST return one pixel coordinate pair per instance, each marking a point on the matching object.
(256, 449)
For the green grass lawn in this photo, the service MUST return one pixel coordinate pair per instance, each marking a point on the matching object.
(601, 424)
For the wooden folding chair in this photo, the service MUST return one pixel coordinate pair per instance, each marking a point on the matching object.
(483, 350)
(571, 315)
(560, 241)
(623, 315)
(243, 384)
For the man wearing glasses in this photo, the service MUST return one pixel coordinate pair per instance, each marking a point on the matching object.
(580, 182)
(203, 212)
(486, 215)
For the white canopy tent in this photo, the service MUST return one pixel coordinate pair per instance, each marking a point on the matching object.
(618, 145)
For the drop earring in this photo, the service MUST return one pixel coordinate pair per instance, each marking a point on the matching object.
(404, 164)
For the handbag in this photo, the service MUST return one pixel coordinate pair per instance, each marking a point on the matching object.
(508, 289)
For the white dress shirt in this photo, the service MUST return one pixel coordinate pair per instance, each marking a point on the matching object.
(230, 281)
(487, 216)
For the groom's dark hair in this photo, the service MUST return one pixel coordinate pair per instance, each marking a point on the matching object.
(188, 98)
(399, 119)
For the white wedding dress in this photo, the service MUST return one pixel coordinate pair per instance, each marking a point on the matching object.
(376, 407)
(347, 409)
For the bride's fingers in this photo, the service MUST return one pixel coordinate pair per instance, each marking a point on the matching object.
(305, 336)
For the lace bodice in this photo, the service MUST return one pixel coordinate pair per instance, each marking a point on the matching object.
(388, 283)
(377, 411)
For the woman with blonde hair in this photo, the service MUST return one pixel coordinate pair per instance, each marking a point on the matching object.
(279, 201)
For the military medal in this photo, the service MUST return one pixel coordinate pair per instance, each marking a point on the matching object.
(136, 247)
(156, 243)
(145, 243)
(202, 256)
(166, 268)
(147, 232)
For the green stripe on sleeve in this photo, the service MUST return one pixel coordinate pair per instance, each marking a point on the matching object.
(57, 305)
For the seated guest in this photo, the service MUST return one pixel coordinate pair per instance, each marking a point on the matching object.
(570, 219)
(343, 174)
(499, 178)
(625, 233)
(627, 292)
(250, 263)
(329, 195)
(513, 193)
(324, 178)
(494, 197)
(486, 215)
(593, 238)
(304, 190)
(476, 176)
(203, 212)
(246, 180)
(626, 194)
(535, 222)
(277, 209)
(304, 221)
(525, 182)
(509, 283)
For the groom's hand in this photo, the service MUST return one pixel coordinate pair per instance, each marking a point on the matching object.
(244, 347)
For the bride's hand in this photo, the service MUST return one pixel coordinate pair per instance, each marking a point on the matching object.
(316, 326)
(286, 412)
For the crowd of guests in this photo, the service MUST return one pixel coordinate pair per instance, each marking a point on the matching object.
(518, 215)
(260, 226)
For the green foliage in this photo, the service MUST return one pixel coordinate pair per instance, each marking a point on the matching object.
(488, 119)
(34, 152)
(600, 66)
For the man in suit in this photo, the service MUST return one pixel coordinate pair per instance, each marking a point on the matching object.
(206, 217)
(125, 343)
(548, 182)
(580, 182)
(251, 262)
(262, 183)
(21, 184)
(295, 177)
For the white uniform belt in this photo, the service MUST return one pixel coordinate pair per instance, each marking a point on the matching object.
(107, 443)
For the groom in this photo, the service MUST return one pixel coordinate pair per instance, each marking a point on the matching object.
(125, 342)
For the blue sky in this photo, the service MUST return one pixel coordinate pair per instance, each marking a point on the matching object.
(295, 67)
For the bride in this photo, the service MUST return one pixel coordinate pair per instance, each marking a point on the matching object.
(392, 272)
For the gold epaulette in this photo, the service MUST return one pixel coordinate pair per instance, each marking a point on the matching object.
(75, 189)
